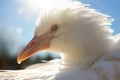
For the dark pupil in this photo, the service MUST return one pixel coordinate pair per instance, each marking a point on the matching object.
(54, 27)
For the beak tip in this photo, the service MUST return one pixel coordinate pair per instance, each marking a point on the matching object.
(18, 60)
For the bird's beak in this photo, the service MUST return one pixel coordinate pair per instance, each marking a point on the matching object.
(38, 43)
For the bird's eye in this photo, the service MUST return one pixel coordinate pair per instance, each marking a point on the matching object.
(54, 27)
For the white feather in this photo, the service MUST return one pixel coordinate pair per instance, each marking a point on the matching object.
(79, 28)
(85, 40)
(84, 34)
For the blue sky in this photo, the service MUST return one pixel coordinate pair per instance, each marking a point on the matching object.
(15, 14)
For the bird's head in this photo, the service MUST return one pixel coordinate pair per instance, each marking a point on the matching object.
(50, 32)
(61, 28)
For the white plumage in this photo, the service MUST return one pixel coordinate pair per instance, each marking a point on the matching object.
(84, 39)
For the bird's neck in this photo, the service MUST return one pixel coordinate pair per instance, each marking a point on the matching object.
(87, 47)
(79, 61)
(83, 56)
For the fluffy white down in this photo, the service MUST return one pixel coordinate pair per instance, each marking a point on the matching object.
(85, 39)
(84, 35)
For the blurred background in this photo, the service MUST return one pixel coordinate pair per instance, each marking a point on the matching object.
(17, 22)
(11, 44)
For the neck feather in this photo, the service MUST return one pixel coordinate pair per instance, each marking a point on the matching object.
(89, 45)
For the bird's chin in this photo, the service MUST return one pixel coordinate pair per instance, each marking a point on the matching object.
(49, 50)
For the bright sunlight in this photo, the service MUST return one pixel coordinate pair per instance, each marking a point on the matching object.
(36, 5)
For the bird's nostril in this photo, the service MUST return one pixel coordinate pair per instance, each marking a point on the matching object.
(31, 43)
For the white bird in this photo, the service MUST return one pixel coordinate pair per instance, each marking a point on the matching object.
(82, 36)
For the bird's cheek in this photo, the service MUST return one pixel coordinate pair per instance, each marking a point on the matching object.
(55, 44)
